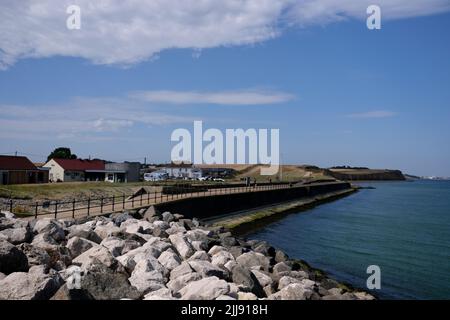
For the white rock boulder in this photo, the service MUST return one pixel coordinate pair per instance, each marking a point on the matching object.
(205, 289)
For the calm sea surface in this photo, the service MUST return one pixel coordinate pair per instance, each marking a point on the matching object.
(403, 227)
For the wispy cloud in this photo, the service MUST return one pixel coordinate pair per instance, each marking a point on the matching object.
(246, 97)
(103, 118)
(313, 12)
(128, 32)
(100, 118)
(372, 114)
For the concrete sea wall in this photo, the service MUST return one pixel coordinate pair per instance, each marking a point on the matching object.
(207, 207)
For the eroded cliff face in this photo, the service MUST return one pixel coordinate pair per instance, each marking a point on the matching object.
(366, 174)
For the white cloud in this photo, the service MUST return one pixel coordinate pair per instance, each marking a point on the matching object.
(310, 12)
(102, 118)
(372, 114)
(245, 97)
(99, 118)
(129, 31)
(102, 125)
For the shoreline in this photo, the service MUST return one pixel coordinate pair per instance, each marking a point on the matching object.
(240, 220)
(243, 222)
(149, 255)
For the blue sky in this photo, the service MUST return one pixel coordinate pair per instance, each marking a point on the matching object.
(339, 93)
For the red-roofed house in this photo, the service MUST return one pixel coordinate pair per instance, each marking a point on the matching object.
(69, 170)
(20, 170)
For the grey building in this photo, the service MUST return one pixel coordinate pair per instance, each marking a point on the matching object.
(122, 172)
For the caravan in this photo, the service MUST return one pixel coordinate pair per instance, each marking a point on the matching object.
(156, 176)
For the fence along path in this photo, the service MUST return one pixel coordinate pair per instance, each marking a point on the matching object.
(106, 205)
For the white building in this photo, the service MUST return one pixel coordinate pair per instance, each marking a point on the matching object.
(69, 170)
(177, 171)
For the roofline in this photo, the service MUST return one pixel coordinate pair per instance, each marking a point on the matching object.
(69, 169)
(4, 170)
(105, 171)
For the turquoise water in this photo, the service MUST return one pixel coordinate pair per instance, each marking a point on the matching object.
(403, 227)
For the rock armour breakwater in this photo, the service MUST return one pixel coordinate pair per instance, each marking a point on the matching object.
(150, 256)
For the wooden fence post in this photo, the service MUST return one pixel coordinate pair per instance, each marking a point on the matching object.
(113, 201)
(89, 206)
(11, 205)
(73, 209)
(36, 210)
(56, 208)
(123, 201)
(101, 205)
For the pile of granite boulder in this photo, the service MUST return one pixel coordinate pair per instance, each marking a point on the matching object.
(151, 256)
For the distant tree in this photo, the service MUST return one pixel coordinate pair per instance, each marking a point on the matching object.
(61, 153)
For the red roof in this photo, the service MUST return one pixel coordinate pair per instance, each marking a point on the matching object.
(81, 165)
(16, 163)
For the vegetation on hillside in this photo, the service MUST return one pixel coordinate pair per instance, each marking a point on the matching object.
(61, 153)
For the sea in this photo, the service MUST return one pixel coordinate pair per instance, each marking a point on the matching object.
(401, 227)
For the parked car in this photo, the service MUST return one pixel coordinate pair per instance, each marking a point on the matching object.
(218, 180)
(155, 176)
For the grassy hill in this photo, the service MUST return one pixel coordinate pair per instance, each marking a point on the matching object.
(286, 172)
(308, 173)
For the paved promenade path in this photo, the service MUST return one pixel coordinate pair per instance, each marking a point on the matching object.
(108, 205)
